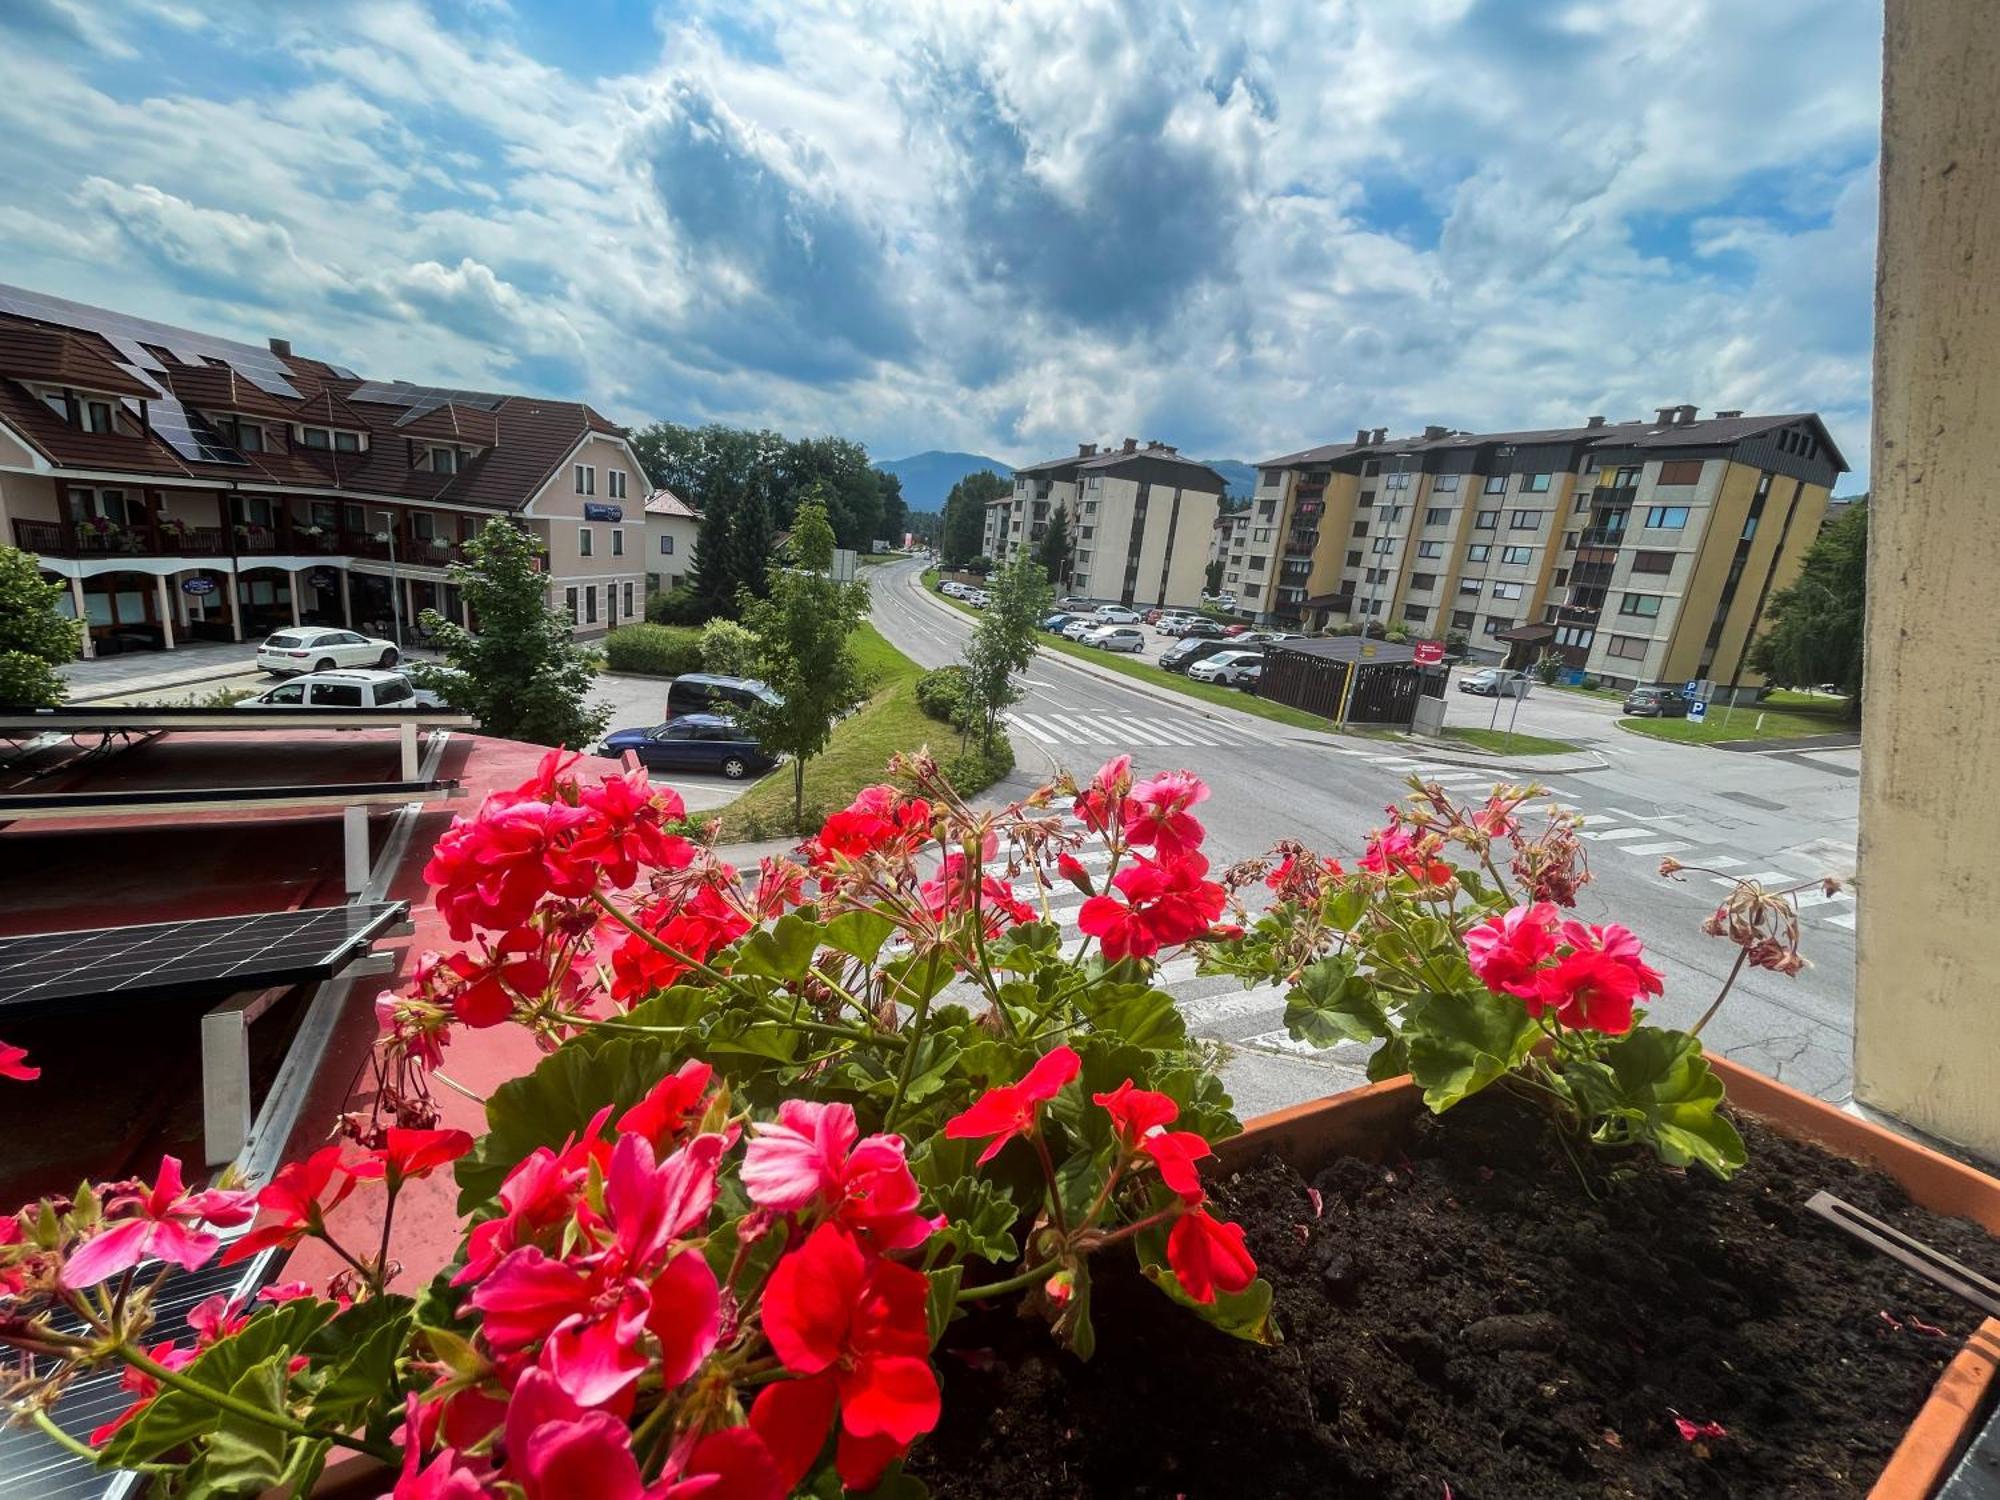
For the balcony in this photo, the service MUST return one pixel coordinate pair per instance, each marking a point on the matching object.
(1614, 494)
(1598, 537)
(60, 539)
(1301, 543)
(92, 539)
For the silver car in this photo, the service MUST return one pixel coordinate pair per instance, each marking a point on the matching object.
(1227, 667)
(1117, 638)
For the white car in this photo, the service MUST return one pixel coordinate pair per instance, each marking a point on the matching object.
(321, 648)
(1114, 614)
(953, 588)
(978, 598)
(345, 690)
(1173, 622)
(1225, 666)
(1220, 601)
(1116, 638)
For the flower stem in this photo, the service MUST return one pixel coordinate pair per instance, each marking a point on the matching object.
(83, 1450)
(1721, 995)
(913, 1037)
(1026, 1279)
(249, 1411)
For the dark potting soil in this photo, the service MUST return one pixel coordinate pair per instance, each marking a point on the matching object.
(1468, 1323)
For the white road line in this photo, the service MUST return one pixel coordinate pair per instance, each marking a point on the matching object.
(1078, 728)
(1845, 919)
(1019, 721)
(1201, 736)
(1768, 879)
(1721, 861)
(1606, 835)
(1807, 899)
(1137, 731)
(1053, 733)
(1669, 846)
(1642, 817)
(1098, 856)
(1282, 1041)
(1392, 760)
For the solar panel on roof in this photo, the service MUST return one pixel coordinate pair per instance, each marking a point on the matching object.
(422, 398)
(211, 955)
(190, 437)
(259, 366)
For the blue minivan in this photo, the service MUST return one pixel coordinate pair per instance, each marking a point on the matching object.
(693, 742)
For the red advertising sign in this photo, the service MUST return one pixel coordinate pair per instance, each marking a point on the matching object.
(1429, 653)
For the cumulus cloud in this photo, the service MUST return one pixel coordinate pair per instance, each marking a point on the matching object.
(1240, 225)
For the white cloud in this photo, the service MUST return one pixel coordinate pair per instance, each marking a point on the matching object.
(1242, 225)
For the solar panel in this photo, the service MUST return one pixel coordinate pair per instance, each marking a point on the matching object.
(208, 956)
(422, 398)
(259, 366)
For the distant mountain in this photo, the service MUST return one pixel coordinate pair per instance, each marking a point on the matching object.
(928, 477)
(1242, 477)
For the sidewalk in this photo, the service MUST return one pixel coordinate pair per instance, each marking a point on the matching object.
(146, 671)
(1443, 753)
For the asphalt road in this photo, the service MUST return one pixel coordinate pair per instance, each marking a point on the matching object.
(1751, 814)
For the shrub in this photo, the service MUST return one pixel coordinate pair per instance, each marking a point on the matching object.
(1590, 682)
(728, 649)
(653, 650)
(974, 769)
(941, 694)
(680, 606)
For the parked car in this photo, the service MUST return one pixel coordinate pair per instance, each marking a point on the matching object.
(1248, 677)
(1224, 600)
(1184, 654)
(1078, 627)
(1241, 627)
(694, 742)
(1114, 614)
(1152, 616)
(1656, 703)
(1494, 682)
(1117, 638)
(1173, 621)
(357, 689)
(706, 693)
(1264, 637)
(1056, 621)
(1224, 666)
(1201, 629)
(321, 648)
(1075, 605)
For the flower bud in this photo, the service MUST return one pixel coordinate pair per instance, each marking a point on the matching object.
(1071, 869)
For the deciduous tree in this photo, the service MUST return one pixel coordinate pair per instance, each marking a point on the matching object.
(34, 639)
(1814, 630)
(1003, 644)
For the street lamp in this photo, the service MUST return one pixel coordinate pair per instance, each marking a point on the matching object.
(388, 534)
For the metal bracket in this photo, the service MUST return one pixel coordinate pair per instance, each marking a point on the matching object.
(1933, 1265)
(225, 1074)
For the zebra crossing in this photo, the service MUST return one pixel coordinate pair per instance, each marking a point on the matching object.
(1116, 732)
(1639, 836)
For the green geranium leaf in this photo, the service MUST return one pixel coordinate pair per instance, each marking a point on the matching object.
(1460, 1041)
(1390, 1060)
(245, 1456)
(1671, 1099)
(1245, 1315)
(1026, 948)
(1134, 1013)
(859, 934)
(942, 1299)
(1345, 906)
(784, 950)
(1331, 1003)
(979, 1220)
(362, 1351)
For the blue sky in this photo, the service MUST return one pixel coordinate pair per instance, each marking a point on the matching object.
(996, 225)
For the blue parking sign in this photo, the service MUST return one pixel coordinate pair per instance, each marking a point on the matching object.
(1697, 710)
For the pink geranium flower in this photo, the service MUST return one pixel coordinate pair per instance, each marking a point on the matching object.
(810, 1155)
(156, 1223)
(1506, 951)
(14, 1064)
(1156, 812)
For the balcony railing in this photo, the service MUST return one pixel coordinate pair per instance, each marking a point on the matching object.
(1614, 494)
(91, 538)
(1597, 537)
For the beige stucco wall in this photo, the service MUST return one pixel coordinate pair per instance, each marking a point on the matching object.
(1927, 1025)
(557, 511)
(684, 531)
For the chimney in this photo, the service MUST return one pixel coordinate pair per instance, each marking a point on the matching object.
(1086, 450)
(1361, 437)
(1729, 413)
(1663, 416)
(1684, 415)
(282, 348)
(1131, 445)
(1432, 434)
(1381, 435)
(1593, 421)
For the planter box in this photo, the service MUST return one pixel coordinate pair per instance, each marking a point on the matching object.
(1365, 1122)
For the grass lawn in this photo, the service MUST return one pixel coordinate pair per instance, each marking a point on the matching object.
(1617, 695)
(1499, 742)
(1207, 692)
(1782, 716)
(858, 755)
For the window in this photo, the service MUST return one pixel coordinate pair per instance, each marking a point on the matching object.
(628, 599)
(1575, 635)
(1469, 587)
(1582, 500)
(347, 442)
(1495, 625)
(1667, 517)
(291, 692)
(666, 546)
(1749, 528)
(1438, 515)
(1445, 484)
(97, 417)
(1354, 559)
(569, 603)
(1680, 471)
(1461, 619)
(1525, 520)
(1517, 556)
(1430, 549)
(1536, 484)
(249, 437)
(1506, 590)
(316, 437)
(1647, 606)
(1416, 614)
(590, 604)
(586, 479)
(1485, 520)
(1397, 482)
(1261, 534)
(1423, 580)
(1385, 544)
(1257, 564)
(1652, 562)
(1370, 468)
(423, 526)
(614, 483)
(1478, 552)
(1361, 528)
(1270, 478)
(1561, 578)
(1393, 513)
(618, 541)
(444, 460)
(1625, 646)
(1569, 540)
(1367, 500)
(336, 695)
(1496, 484)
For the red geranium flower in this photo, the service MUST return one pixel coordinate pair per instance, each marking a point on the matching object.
(857, 1330)
(1507, 951)
(491, 869)
(155, 1223)
(490, 983)
(1156, 812)
(1175, 1153)
(1134, 1111)
(880, 820)
(1166, 902)
(696, 927)
(411, 1153)
(1206, 1253)
(1101, 805)
(1009, 1109)
(294, 1196)
(662, 1115)
(624, 830)
(1396, 851)
(14, 1064)
(1596, 981)
(951, 894)
(810, 1155)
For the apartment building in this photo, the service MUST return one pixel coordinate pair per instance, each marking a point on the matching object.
(1141, 520)
(1639, 551)
(185, 486)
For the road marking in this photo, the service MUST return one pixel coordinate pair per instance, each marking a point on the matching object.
(1393, 760)
(1807, 899)
(1845, 919)
(1642, 817)
(1721, 861)
(1137, 730)
(1096, 856)
(1079, 728)
(1202, 736)
(1669, 846)
(1020, 721)
(1767, 880)
(1606, 835)
(1283, 1041)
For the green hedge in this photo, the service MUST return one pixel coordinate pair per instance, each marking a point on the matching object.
(653, 650)
(941, 693)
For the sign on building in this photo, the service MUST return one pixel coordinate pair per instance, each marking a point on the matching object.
(597, 510)
(1429, 653)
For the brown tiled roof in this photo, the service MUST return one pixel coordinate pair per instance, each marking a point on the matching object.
(59, 357)
(524, 441)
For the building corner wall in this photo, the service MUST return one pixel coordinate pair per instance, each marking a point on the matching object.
(1927, 1028)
